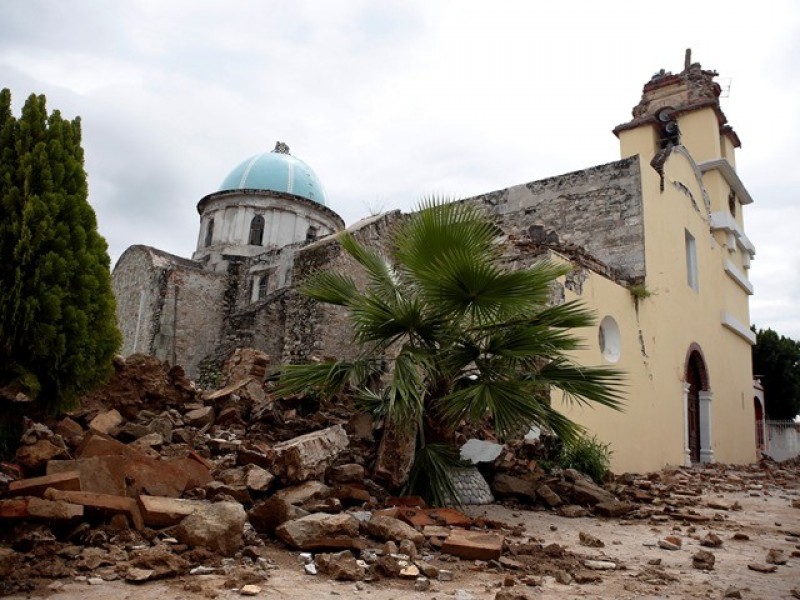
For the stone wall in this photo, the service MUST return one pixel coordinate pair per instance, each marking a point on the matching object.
(313, 329)
(177, 310)
(191, 321)
(135, 284)
(167, 306)
(598, 209)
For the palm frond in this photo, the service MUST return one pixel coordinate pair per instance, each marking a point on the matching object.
(331, 288)
(582, 385)
(430, 475)
(569, 315)
(382, 277)
(326, 378)
(439, 227)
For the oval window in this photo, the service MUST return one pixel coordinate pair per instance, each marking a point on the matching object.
(610, 339)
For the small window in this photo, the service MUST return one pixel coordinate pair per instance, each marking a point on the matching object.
(610, 340)
(209, 233)
(691, 262)
(262, 286)
(256, 231)
(732, 203)
(311, 234)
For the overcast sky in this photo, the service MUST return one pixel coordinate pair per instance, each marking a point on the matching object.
(390, 101)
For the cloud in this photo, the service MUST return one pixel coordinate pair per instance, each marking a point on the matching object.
(391, 102)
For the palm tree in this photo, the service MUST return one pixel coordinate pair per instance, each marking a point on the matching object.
(447, 335)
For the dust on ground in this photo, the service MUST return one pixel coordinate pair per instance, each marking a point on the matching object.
(767, 521)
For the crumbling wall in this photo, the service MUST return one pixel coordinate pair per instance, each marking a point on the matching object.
(598, 209)
(137, 288)
(313, 329)
(191, 319)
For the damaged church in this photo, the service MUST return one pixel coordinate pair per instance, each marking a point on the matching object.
(656, 240)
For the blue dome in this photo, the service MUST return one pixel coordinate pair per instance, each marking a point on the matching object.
(276, 171)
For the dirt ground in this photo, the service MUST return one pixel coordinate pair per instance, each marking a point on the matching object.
(643, 569)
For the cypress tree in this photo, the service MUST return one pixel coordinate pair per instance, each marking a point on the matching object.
(58, 330)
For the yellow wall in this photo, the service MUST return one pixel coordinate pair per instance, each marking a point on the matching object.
(657, 335)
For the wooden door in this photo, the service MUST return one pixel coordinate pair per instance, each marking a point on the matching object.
(694, 379)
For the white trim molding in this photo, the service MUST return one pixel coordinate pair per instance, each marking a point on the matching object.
(724, 220)
(729, 174)
(706, 444)
(733, 324)
(734, 273)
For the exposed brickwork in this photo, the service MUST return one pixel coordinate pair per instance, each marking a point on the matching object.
(195, 317)
(598, 209)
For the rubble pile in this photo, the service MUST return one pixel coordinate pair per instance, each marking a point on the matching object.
(152, 478)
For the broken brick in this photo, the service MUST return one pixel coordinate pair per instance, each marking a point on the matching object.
(159, 511)
(473, 545)
(36, 486)
(102, 502)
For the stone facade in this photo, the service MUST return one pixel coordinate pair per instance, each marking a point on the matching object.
(195, 312)
(656, 243)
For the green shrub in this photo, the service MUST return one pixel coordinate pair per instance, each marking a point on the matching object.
(589, 456)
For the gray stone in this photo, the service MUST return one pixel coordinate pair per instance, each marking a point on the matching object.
(200, 417)
(308, 456)
(340, 566)
(300, 494)
(478, 451)
(105, 422)
(317, 530)
(218, 527)
(268, 515)
(347, 473)
(549, 497)
(389, 528)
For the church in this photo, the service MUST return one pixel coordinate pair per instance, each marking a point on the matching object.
(655, 239)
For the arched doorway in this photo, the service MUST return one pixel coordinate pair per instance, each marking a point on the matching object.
(759, 412)
(697, 409)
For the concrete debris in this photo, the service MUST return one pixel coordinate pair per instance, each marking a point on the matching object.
(250, 590)
(217, 527)
(587, 539)
(151, 478)
(340, 566)
(308, 456)
(388, 528)
(319, 531)
(474, 545)
(703, 560)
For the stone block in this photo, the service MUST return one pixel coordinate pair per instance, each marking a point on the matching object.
(34, 457)
(106, 422)
(613, 508)
(99, 474)
(347, 473)
(267, 516)
(158, 511)
(32, 508)
(300, 494)
(104, 503)
(218, 527)
(395, 455)
(200, 417)
(351, 492)
(35, 486)
(388, 528)
(508, 485)
(320, 530)
(309, 456)
(473, 545)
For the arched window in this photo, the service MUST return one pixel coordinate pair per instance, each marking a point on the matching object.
(209, 233)
(312, 233)
(256, 231)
